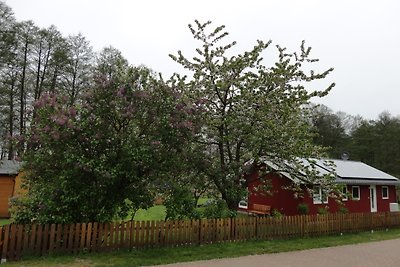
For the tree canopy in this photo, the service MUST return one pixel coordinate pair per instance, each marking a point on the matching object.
(105, 156)
(251, 110)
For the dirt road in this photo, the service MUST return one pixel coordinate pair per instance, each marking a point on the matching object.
(382, 254)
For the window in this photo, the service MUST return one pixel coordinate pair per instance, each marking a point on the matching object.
(344, 192)
(385, 192)
(243, 204)
(355, 192)
(319, 196)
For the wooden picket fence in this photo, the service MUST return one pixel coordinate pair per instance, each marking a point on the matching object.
(17, 241)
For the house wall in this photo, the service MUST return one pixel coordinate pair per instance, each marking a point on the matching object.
(285, 201)
(281, 199)
(18, 190)
(10, 185)
(364, 205)
(383, 204)
(6, 192)
(332, 205)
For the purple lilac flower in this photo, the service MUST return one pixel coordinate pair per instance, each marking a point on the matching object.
(72, 111)
(61, 120)
(55, 135)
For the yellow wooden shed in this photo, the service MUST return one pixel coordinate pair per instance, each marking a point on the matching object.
(10, 184)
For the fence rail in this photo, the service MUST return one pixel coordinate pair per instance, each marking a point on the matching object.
(17, 241)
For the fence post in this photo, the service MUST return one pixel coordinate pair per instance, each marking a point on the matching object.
(5, 243)
(255, 223)
(302, 225)
(199, 231)
(1, 241)
(131, 227)
(231, 230)
(387, 220)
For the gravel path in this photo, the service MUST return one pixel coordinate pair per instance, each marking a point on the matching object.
(381, 253)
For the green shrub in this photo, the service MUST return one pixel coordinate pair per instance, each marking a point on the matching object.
(303, 208)
(180, 204)
(323, 211)
(343, 210)
(276, 213)
(216, 209)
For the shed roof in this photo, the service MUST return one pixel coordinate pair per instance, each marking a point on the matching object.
(10, 167)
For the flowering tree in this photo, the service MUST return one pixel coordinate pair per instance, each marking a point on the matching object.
(251, 110)
(105, 156)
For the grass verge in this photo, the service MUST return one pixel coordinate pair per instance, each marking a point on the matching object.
(193, 253)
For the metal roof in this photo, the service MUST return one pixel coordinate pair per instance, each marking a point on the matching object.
(9, 167)
(356, 170)
(347, 171)
(277, 168)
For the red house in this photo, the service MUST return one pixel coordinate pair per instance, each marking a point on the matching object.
(366, 189)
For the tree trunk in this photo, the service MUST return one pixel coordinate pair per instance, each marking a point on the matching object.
(22, 91)
(39, 66)
(11, 120)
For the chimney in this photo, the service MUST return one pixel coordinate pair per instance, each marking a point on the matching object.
(345, 156)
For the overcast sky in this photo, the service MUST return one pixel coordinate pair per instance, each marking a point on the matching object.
(359, 38)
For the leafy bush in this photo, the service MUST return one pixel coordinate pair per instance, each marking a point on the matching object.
(218, 209)
(276, 213)
(343, 210)
(83, 162)
(323, 211)
(180, 204)
(303, 208)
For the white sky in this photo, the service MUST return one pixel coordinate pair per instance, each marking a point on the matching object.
(359, 38)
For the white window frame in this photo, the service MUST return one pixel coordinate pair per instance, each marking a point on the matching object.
(345, 193)
(352, 192)
(387, 192)
(242, 205)
(319, 196)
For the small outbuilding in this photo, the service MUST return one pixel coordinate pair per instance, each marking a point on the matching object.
(10, 183)
(365, 189)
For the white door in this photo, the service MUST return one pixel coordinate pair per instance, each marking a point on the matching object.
(372, 198)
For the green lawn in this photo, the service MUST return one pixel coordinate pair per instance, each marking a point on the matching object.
(183, 254)
(4, 222)
(158, 212)
(154, 213)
